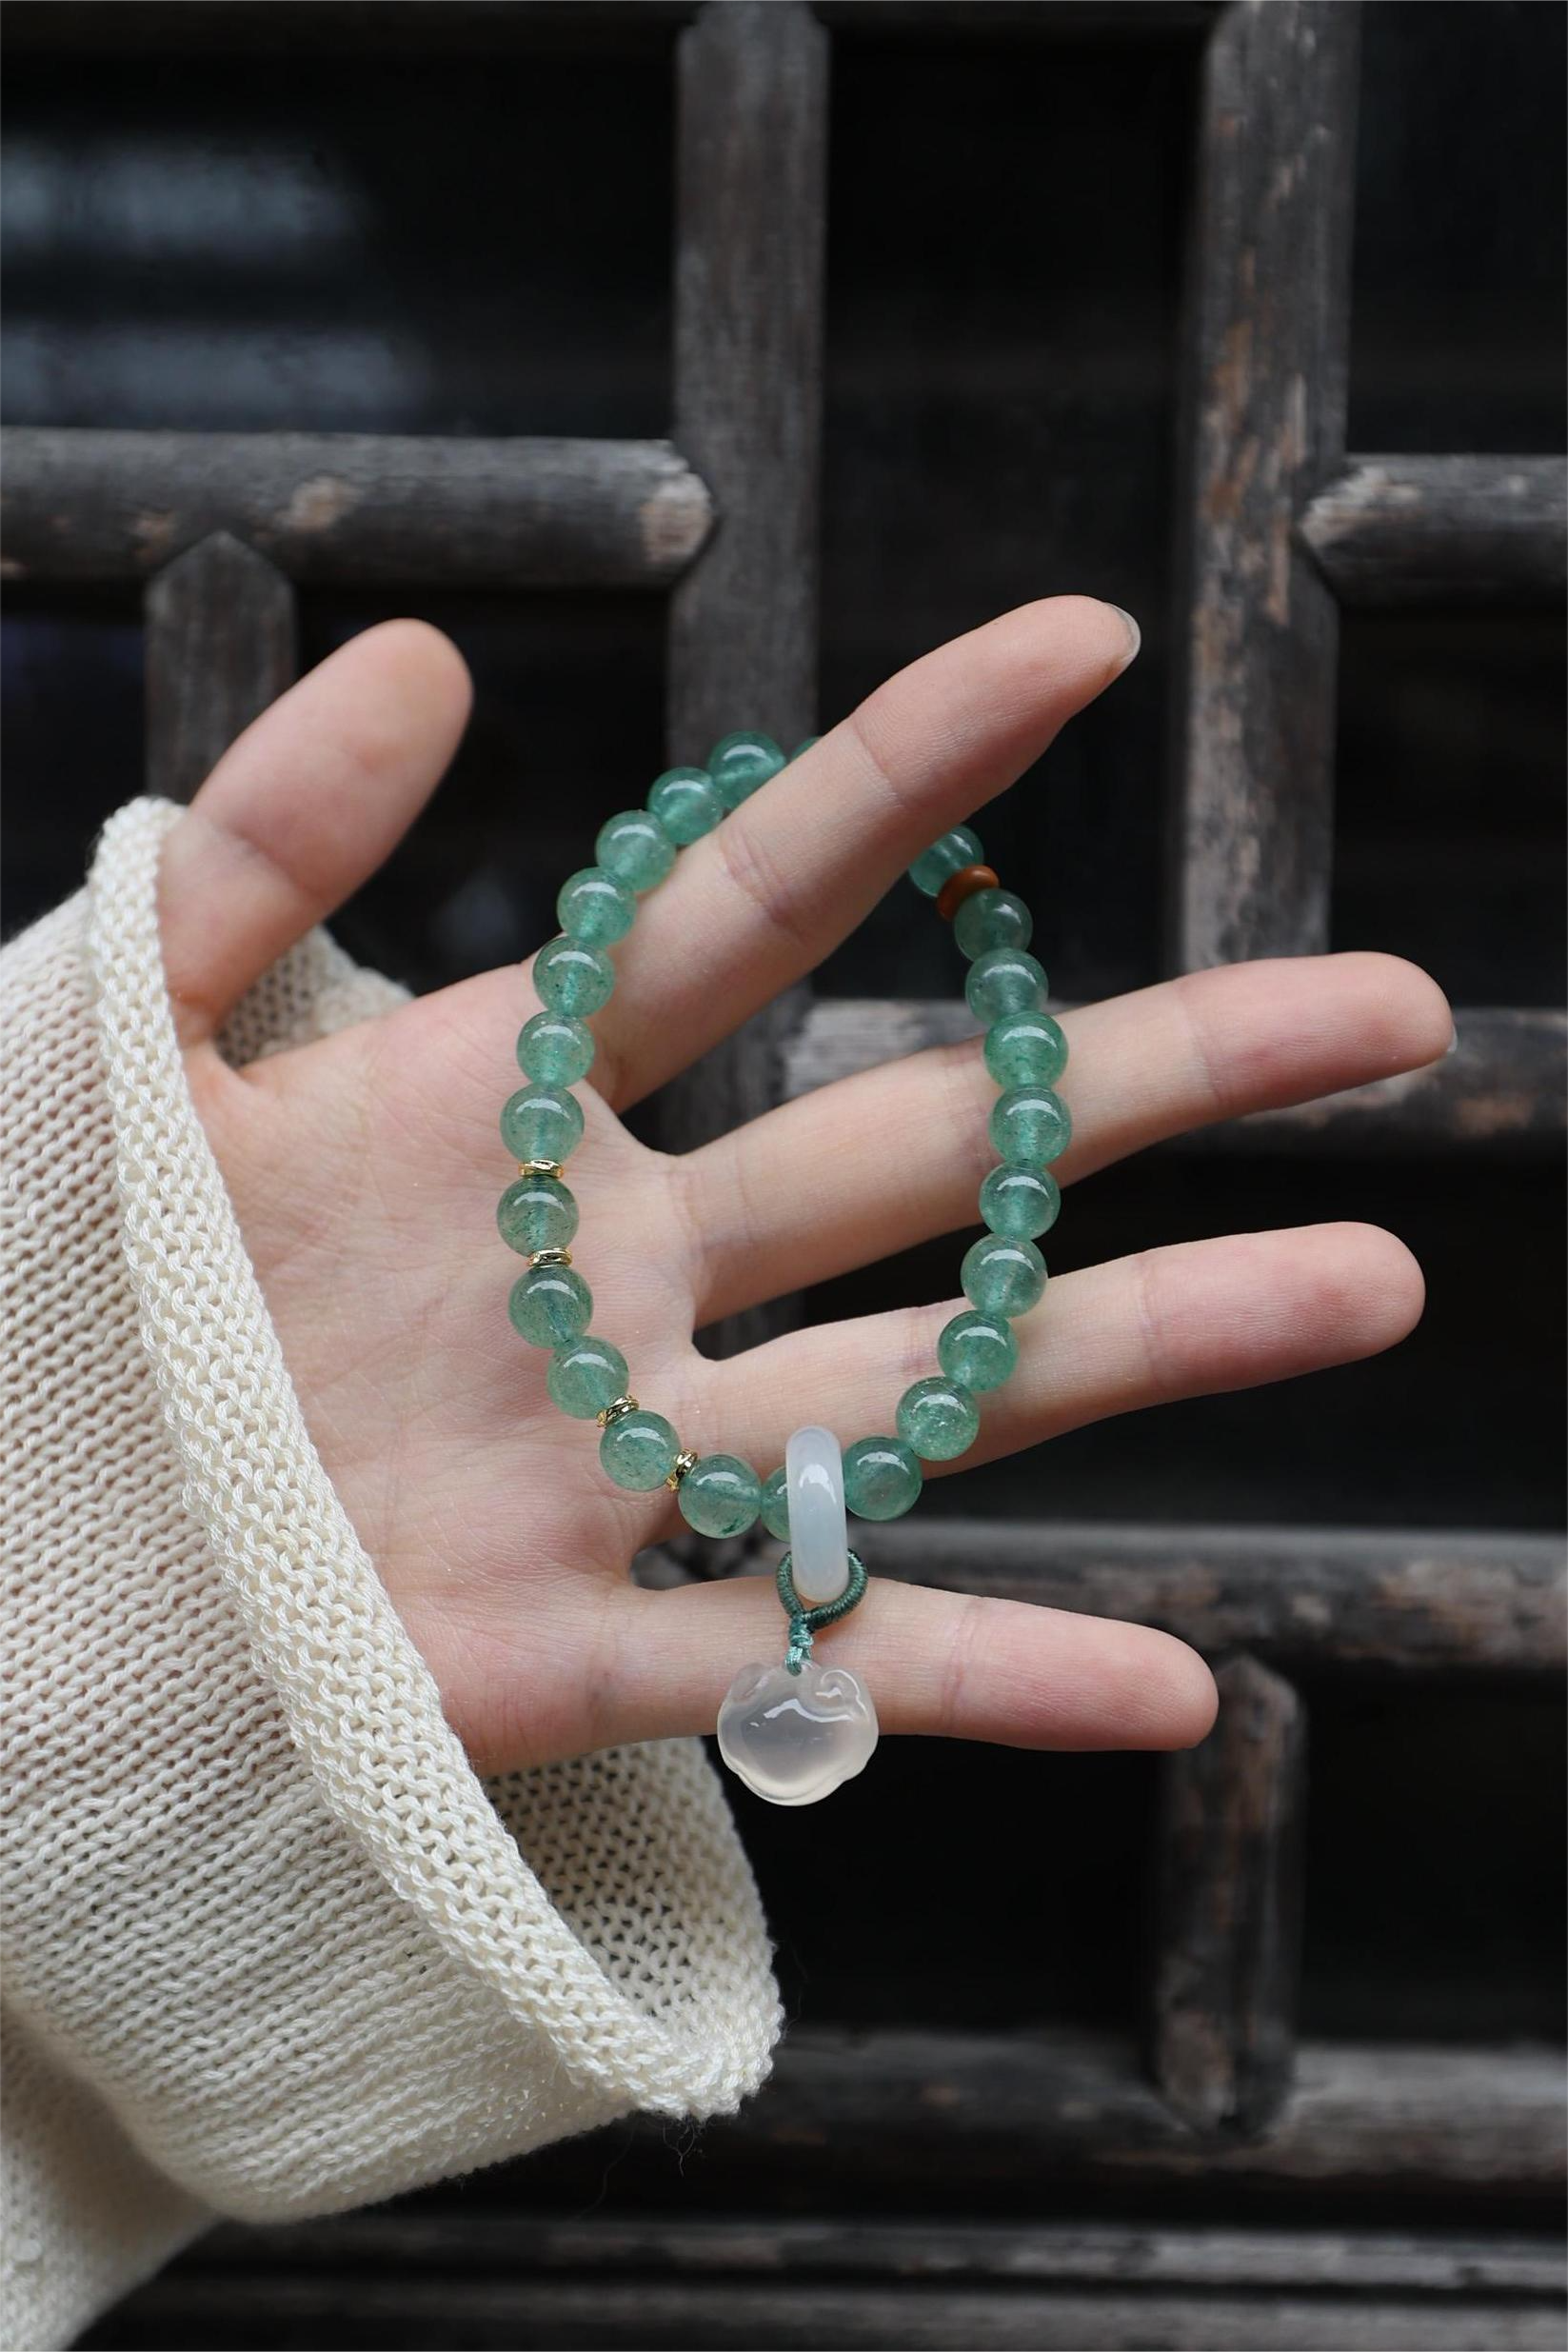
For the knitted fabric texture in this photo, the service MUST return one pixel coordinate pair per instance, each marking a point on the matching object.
(271, 1947)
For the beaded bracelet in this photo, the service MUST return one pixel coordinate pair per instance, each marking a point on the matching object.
(792, 1732)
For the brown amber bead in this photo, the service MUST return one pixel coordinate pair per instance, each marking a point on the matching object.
(961, 885)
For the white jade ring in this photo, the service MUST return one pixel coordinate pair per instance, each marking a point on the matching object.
(796, 1732)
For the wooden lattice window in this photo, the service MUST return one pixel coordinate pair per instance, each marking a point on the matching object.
(1220, 2113)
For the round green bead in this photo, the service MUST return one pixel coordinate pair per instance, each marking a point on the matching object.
(1003, 979)
(537, 1212)
(1030, 1126)
(1001, 1276)
(554, 1050)
(739, 764)
(719, 1495)
(1020, 1202)
(549, 1305)
(686, 804)
(977, 1351)
(638, 1452)
(776, 1504)
(882, 1477)
(944, 858)
(992, 918)
(593, 907)
(635, 847)
(1025, 1050)
(938, 1418)
(542, 1122)
(572, 978)
(585, 1376)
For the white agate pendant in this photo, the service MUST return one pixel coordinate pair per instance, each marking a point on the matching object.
(794, 1738)
(795, 1732)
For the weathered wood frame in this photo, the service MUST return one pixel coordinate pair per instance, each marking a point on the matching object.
(1280, 525)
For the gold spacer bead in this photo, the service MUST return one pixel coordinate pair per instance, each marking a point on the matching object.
(616, 1410)
(550, 1257)
(540, 1168)
(685, 1459)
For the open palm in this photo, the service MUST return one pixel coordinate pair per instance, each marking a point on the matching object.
(365, 1170)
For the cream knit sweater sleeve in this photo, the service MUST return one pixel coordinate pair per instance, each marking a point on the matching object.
(270, 1948)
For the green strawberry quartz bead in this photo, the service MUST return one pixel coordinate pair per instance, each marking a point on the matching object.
(1001, 1276)
(586, 1377)
(537, 1212)
(554, 1050)
(1025, 1050)
(945, 858)
(686, 804)
(991, 919)
(719, 1495)
(549, 1305)
(542, 1122)
(977, 1351)
(1022, 1203)
(1029, 1125)
(1005, 980)
(592, 906)
(776, 1504)
(635, 848)
(638, 1452)
(739, 765)
(882, 1477)
(938, 1418)
(572, 978)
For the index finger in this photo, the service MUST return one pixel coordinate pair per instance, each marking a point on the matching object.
(763, 898)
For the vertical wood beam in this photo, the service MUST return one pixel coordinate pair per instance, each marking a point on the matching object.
(220, 646)
(1267, 305)
(752, 172)
(1229, 1909)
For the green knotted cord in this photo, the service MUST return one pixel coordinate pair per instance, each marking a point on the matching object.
(804, 1622)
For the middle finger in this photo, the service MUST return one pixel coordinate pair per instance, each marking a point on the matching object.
(885, 1159)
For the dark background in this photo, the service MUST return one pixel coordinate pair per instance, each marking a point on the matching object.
(407, 243)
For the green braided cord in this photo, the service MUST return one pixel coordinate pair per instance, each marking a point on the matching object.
(804, 1622)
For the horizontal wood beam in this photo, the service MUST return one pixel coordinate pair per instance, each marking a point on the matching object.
(352, 510)
(437, 28)
(1500, 1089)
(1403, 531)
(409, 2276)
(906, 2108)
(410, 2239)
(1415, 1602)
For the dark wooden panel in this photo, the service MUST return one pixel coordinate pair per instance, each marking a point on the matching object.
(220, 633)
(1424, 1601)
(1268, 310)
(1402, 530)
(355, 509)
(1228, 1958)
(1501, 1088)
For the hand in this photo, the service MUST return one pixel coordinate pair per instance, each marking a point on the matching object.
(364, 1170)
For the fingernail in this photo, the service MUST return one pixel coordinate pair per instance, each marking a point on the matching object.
(1135, 635)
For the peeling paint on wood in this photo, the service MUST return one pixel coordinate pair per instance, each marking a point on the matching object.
(362, 511)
